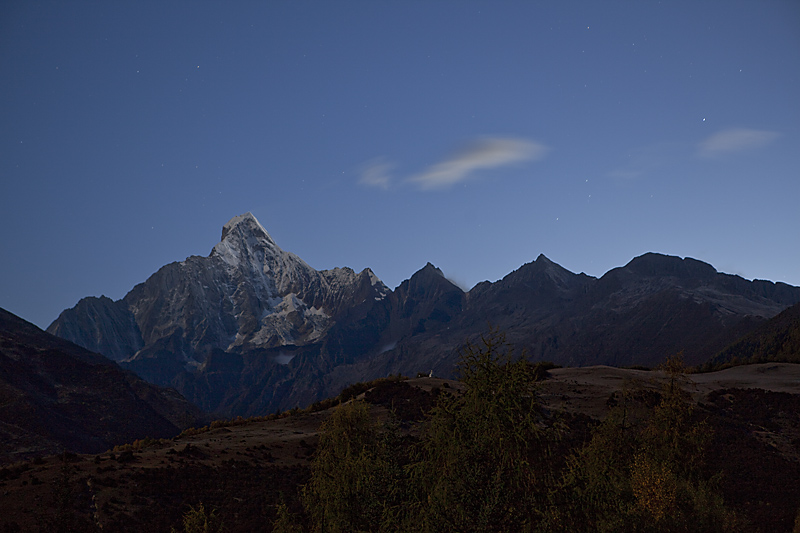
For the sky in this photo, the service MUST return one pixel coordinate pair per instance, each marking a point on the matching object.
(388, 134)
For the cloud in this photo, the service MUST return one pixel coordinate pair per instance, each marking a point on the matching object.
(481, 154)
(644, 160)
(376, 174)
(484, 153)
(735, 140)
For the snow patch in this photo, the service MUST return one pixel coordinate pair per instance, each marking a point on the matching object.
(281, 320)
(373, 279)
(283, 358)
(191, 365)
(317, 311)
(388, 347)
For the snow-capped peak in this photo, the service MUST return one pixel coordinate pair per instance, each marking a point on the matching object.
(245, 239)
(249, 223)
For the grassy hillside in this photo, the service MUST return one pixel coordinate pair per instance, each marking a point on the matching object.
(739, 429)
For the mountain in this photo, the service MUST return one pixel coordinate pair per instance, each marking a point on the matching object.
(55, 395)
(208, 324)
(251, 328)
(247, 295)
(778, 339)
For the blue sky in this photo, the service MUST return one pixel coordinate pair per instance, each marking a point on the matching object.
(474, 135)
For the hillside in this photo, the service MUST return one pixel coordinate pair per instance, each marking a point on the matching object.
(55, 395)
(776, 340)
(244, 469)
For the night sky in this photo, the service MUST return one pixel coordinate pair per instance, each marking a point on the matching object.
(386, 134)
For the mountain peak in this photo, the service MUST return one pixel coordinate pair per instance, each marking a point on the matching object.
(249, 223)
(543, 269)
(241, 237)
(432, 269)
(655, 264)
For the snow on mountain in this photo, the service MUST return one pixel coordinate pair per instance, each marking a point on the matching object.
(247, 294)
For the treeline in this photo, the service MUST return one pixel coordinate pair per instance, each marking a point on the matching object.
(490, 458)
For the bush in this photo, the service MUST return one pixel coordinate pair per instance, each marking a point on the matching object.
(196, 520)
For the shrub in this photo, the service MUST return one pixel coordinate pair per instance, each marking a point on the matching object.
(196, 520)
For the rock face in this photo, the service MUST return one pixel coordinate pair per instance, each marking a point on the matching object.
(101, 325)
(247, 295)
(55, 395)
(251, 328)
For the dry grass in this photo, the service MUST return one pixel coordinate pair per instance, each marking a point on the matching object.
(246, 468)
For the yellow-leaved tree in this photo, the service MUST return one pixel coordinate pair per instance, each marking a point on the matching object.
(645, 478)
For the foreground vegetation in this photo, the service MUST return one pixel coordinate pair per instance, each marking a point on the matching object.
(491, 459)
(480, 455)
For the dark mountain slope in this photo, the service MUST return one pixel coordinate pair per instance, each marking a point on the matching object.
(426, 301)
(55, 395)
(103, 326)
(659, 305)
(653, 307)
(776, 340)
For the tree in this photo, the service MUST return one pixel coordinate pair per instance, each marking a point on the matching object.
(594, 493)
(354, 474)
(484, 461)
(644, 479)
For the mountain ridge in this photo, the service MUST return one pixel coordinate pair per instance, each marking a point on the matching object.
(251, 328)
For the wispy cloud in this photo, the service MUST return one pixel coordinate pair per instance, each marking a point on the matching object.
(484, 153)
(481, 154)
(376, 174)
(735, 140)
(644, 160)
(649, 159)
